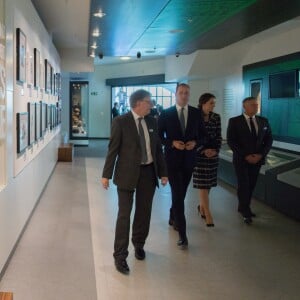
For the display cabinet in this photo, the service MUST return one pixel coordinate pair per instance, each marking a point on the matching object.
(79, 91)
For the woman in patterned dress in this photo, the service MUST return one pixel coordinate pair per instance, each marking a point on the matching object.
(205, 172)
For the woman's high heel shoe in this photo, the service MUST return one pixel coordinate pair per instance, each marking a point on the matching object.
(210, 225)
(199, 212)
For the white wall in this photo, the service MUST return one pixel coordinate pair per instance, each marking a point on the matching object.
(28, 173)
(100, 105)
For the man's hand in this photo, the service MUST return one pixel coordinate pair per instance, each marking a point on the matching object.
(179, 145)
(253, 158)
(164, 181)
(190, 145)
(257, 157)
(210, 153)
(105, 183)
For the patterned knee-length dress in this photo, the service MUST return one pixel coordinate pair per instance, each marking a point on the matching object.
(205, 171)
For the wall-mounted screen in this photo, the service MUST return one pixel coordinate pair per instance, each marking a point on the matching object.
(283, 85)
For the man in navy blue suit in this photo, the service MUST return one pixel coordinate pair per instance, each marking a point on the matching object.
(250, 138)
(180, 129)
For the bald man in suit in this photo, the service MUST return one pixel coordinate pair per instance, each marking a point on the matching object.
(250, 138)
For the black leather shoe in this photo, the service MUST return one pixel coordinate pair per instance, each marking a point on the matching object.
(248, 220)
(140, 253)
(122, 267)
(183, 244)
(252, 214)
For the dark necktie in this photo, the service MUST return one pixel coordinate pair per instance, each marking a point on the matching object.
(253, 130)
(143, 142)
(182, 120)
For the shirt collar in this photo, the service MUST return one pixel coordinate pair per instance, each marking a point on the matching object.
(179, 107)
(135, 115)
(247, 117)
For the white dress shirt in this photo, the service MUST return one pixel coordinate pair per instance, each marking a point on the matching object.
(254, 122)
(185, 112)
(147, 137)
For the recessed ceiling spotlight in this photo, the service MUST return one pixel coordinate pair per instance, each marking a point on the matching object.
(125, 57)
(176, 31)
(96, 33)
(92, 54)
(99, 14)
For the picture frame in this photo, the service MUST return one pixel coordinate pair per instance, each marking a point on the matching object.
(48, 77)
(49, 116)
(54, 84)
(31, 123)
(43, 118)
(58, 84)
(38, 133)
(37, 68)
(22, 132)
(255, 91)
(21, 55)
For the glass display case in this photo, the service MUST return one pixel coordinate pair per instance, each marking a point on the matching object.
(79, 91)
(275, 158)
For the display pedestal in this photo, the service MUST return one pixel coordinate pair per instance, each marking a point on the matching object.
(6, 296)
(66, 152)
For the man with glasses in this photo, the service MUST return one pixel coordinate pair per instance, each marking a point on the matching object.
(136, 159)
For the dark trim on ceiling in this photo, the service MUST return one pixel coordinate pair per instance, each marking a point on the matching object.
(258, 17)
(137, 80)
(276, 60)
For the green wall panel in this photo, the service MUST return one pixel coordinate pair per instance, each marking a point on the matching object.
(283, 113)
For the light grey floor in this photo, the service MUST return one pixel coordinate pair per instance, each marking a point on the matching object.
(66, 251)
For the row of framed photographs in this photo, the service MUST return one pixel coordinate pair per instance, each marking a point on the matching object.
(40, 75)
(33, 124)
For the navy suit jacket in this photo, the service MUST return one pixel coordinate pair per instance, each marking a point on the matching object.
(169, 129)
(239, 138)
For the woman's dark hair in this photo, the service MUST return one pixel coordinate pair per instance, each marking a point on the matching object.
(205, 98)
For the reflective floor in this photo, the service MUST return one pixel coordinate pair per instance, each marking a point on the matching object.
(66, 251)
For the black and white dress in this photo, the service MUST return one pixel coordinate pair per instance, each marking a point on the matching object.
(205, 171)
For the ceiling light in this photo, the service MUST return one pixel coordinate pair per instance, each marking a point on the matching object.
(99, 14)
(96, 33)
(125, 57)
(92, 54)
(94, 46)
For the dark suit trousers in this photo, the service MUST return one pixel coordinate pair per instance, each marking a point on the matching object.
(247, 175)
(179, 180)
(144, 193)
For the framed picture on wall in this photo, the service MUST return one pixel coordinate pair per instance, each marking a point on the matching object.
(255, 91)
(38, 133)
(21, 55)
(31, 123)
(37, 68)
(49, 116)
(48, 77)
(22, 131)
(43, 117)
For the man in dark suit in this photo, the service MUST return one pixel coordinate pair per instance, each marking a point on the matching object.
(250, 138)
(179, 128)
(135, 156)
